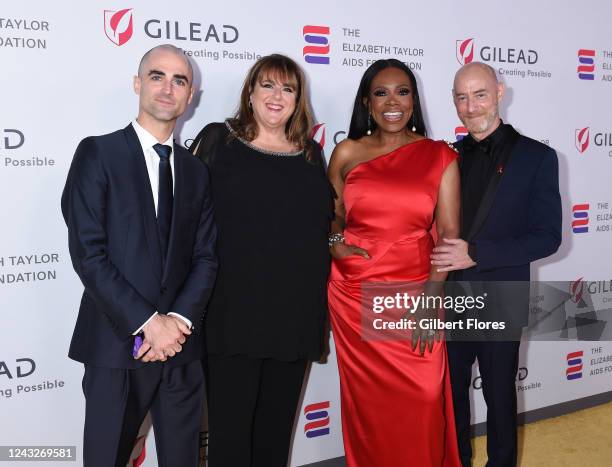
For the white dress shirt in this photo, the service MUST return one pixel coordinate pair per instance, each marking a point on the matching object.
(147, 141)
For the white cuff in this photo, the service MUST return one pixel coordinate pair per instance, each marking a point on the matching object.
(144, 324)
(187, 322)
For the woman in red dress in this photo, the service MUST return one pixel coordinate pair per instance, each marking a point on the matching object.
(392, 185)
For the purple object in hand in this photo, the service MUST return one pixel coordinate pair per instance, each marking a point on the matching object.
(137, 344)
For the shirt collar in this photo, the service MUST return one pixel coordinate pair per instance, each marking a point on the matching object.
(498, 134)
(146, 139)
(489, 143)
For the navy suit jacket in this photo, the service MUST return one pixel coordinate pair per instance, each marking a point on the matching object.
(108, 207)
(517, 222)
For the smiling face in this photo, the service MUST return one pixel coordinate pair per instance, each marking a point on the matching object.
(390, 100)
(273, 101)
(477, 94)
(164, 85)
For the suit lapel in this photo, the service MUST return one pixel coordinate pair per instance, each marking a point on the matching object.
(179, 174)
(145, 194)
(492, 187)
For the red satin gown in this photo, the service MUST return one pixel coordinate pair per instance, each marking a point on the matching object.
(397, 406)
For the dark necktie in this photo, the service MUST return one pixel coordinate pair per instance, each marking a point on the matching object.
(164, 198)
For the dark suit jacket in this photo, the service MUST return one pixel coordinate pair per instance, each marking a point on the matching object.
(518, 221)
(108, 207)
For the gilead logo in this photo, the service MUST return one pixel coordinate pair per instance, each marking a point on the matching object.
(582, 139)
(318, 134)
(576, 290)
(118, 25)
(465, 50)
(139, 452)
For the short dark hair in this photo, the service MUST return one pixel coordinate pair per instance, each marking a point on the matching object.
(359, 120)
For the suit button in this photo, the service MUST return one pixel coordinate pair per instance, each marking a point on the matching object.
(163, 290)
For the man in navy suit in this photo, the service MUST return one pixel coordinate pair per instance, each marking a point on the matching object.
(510, 216)
(141, 239)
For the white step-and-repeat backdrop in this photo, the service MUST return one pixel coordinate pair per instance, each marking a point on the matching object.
(67, 70)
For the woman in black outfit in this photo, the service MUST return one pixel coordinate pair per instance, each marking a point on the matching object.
(273, 207)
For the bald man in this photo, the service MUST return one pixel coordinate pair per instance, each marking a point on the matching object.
(141, 239)
(511, 216)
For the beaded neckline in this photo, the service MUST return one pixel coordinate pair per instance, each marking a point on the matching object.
(258, 149)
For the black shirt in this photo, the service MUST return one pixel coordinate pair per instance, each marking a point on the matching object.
(273, 214)
(480, 161)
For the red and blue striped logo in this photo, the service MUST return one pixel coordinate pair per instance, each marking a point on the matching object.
(586, 67)
(574, 365)
(460, 132)
(317, 50)
(580, 218)
(317, 417)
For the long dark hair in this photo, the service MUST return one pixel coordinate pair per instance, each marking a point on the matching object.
(359, 119)
(299, 127)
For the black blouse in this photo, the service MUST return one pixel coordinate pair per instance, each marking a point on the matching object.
(273, 214)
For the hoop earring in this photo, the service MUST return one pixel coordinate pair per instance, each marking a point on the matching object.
(369, 132)
(413, 126)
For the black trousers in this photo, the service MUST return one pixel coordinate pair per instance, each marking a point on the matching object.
(117, 401)
(498, 364)
(251, 410)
